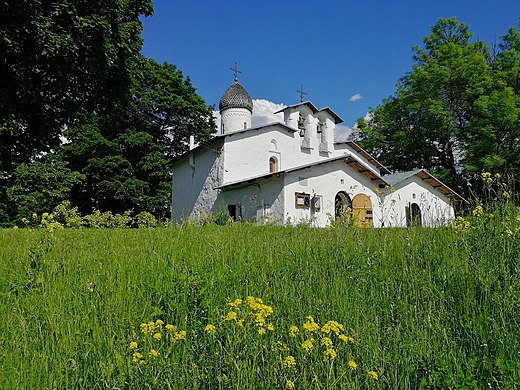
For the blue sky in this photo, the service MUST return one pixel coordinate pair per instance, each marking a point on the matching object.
(336, 49)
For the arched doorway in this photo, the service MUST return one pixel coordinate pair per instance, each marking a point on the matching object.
(413, 215)
(362, 211)
(342, 204)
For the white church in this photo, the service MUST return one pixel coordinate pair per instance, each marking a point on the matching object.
(294, 172)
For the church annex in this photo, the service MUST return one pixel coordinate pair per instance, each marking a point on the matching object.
(293, 172)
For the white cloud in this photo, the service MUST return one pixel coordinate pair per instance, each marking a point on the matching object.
(342, 133)
(356, 97)
(264, 112)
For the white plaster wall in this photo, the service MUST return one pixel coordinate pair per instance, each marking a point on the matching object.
(325, 180)
(194, 188)
(247, 153)
(263, 199)
(436, 208)
(233, 119)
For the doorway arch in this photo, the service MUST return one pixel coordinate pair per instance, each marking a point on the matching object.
(413, 215)
(342, 204)
(362, 211)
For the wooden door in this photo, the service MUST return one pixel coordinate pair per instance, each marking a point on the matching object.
(362, 211)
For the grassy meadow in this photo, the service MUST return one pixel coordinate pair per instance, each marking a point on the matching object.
(107, 308)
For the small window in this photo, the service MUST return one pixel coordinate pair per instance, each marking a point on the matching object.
(273, 165)
(302, 200)
(245, 125)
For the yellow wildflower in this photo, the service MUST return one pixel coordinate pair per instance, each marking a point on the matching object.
(235, 304)
(373, 375)
(307, 345)
(170, 328)
(180, 335)
(326, 342)
(346, 339)
(497, 175)
(311, 325)
(159, 323)
(352, 365)
(261, 330)
(293, 330)
(231, 316)
(506, 194)
(282, 346)
(478, 211)
(518, 218)
(133, 345)
(240, 322)
(332, 326)
(330, 354)
(270, 327)
(210, 329)
(290, 385)
(136, 357)
(157, 336)
(289, 362)
(153, 353)
(509, 232)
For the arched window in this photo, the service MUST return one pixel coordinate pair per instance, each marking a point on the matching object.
(273, 164)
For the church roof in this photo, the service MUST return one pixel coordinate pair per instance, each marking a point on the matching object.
(422, 174)
(314, 110)
(350, 160)
(384, 170)
(236, 97)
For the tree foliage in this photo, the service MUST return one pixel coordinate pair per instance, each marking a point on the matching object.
(126, 155)
(61, 60)
(41, 185)
(457, 111)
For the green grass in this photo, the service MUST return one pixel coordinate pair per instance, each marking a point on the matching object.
(429, 308)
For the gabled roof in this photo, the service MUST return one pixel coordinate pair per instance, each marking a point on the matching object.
(307, 103)
(399, 177)
(350, 160)
(314, 110)
(366, 155)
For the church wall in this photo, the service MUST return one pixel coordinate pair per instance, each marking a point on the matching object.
(261, 200)
(195, 185)
(326, 181)
(436, 208)
(247, 154)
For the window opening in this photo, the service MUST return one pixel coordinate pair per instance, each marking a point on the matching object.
(273, 165)
(302, 200)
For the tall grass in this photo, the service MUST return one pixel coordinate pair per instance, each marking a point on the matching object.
(428, 308)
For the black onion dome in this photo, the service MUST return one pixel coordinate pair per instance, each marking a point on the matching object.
(236, 97)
